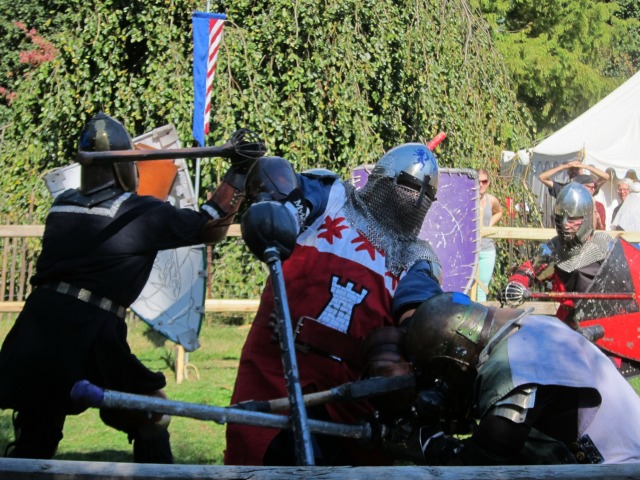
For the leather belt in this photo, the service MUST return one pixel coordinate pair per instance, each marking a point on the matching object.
(311, 335)
(87, 296)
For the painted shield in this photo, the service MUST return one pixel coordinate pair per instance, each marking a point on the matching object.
(172, 301)
(619, 273)
(452, 225)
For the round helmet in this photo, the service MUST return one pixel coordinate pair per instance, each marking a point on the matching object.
(574, 202)
(270, 178)
(446, 327)
(104, 133)
(443, 341)
(402, 187)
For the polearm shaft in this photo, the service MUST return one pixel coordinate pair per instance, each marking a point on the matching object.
(580, 296)
(116, 156)
(357, 390)
(243, 145)
(299, 420)
(88, 394)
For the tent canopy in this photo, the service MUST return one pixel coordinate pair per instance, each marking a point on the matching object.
(609, 133)
(607, 136)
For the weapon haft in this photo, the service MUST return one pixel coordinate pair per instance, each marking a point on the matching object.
(358, 390)
(299, 420)
(88, 394)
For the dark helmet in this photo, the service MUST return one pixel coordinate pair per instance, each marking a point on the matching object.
(104, 133)
(574, 201)
(443, 341)
(401, 187)
(271, 178)
(447, 326)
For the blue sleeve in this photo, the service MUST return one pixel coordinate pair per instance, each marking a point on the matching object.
(414, 288)
(315, 191)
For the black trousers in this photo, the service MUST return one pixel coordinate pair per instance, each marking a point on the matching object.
(38, 433)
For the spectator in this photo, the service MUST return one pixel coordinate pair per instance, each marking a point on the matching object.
(574, 168)
(623, 193)
(490, 214)
(628, 218)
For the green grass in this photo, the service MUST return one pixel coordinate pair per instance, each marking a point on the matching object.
(210, 382)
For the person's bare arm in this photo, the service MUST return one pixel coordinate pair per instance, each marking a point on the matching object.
(545, 177)
(601, 177)
(496, 211)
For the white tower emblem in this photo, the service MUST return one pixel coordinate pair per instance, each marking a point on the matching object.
(344, 298)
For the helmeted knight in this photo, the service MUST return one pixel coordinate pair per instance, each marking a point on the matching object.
(344, 253)
(570, 260)
(390, 209)
(99, 246)
(542, 392)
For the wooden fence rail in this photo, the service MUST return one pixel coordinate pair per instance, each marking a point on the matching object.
(13, 249)
(18, 469)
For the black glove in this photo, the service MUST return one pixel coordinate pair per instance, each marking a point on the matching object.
(242, 149)
(268, 225)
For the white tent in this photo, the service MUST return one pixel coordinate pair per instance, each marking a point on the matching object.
(607, 136)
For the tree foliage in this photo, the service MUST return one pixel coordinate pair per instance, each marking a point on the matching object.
(564, 56)
(329, 83)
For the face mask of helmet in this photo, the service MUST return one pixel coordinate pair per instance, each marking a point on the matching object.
(104, 133)
(574, 202)
(402, 187)
(444, 339)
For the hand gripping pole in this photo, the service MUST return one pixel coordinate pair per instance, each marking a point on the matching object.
(243, 145)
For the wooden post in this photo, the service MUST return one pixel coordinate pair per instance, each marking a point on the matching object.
(180, 355)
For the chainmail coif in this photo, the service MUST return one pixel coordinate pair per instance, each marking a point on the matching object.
(386, 215)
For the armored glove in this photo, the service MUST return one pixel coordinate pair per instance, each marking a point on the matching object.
(242, 149)
(514, 294)
(268, 225)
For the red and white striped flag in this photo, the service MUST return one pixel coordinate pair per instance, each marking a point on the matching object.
(207, 35)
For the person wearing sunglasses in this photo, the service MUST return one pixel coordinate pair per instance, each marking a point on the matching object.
(490, 214)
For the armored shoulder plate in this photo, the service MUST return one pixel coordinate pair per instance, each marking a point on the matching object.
(320, 173)
(74, 197)
(515, 405)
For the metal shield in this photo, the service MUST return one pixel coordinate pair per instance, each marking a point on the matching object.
(452, 225)
(172, 301)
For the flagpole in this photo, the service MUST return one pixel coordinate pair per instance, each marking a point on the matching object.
(197, 185)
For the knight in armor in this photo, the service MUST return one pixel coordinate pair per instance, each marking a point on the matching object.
(344, 252)
(98, 249)
(534, 390)
(571, 260)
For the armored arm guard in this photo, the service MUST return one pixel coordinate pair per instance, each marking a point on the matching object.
(538, 268)
(222, 207)
(532, 271)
